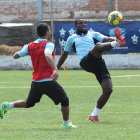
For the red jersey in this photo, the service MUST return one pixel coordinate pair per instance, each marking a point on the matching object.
(42, 69)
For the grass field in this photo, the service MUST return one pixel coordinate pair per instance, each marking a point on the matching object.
(119, 119)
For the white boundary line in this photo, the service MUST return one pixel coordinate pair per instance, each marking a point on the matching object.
(126, 76)
(76, 86)
(3, 82)
(97, 86)
(22, 87)
(79, 112)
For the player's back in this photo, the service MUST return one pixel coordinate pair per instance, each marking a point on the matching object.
(40, 65)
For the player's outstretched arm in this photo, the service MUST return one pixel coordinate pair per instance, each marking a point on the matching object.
(62, 59)
(22, 52)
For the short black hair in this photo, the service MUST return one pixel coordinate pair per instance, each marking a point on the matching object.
(77, 20)
(42, 28)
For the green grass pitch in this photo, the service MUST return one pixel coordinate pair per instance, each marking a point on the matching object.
(119, 119)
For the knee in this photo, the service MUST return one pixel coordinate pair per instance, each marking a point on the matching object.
(65, 102)
(108, 90)
(97, 50)
(30, 104)
(98, 45)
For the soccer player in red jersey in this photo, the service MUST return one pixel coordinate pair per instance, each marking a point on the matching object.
(45, 74)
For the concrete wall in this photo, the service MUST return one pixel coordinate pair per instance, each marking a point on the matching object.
(115, 61)
(12, 10)
(13, 34)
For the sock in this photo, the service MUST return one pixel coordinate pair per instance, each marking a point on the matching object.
(95, 112)
(66, 122)
(11, 105)
(115, 44)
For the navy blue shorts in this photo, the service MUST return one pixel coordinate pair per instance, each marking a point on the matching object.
(96, 66)
(51, 88)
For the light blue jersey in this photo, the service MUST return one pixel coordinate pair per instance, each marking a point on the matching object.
(49, 48)
(83, 43)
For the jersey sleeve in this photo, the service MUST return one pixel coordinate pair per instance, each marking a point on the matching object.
(49, 48)
(100, 37)
(69, 44)
(23, 51)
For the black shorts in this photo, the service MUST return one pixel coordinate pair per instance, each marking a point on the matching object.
(51, 88)
(96, 66)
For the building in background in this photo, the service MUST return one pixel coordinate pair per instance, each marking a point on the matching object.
(18, 18)
(32, 10)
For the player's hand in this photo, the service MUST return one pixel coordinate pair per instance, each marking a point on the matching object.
(54, 76)
(16, 56)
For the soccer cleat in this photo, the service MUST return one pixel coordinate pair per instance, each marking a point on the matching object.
(93, 118)
(3, 110)
(70, 125)
(119, 37)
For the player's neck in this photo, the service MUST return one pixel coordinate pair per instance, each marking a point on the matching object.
(45, 37)
(79, 32)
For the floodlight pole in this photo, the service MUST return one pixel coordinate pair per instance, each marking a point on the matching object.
(52, 20)
(116, 5)
(110, 6)
(40, 10)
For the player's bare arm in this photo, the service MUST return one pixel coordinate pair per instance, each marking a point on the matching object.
(62, 59)
(51, 62)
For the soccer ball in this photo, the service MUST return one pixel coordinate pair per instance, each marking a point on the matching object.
(115, 18)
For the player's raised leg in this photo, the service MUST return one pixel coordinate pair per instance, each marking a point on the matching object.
(119, 37)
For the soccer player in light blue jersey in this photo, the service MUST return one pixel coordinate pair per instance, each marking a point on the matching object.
(89, 47)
